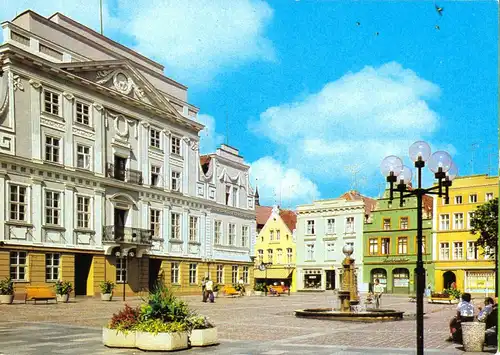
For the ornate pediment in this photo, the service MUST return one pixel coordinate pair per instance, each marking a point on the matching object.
(123, 82)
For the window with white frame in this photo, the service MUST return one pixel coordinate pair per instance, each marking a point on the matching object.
(470, 215)
(330, 251)
(193, 273)
(458, 221)
(218, 232)
(174, 273)
(228, 194)
(403, 223)
(458, 200)
(155, 222)
(278, 234)
(310, 252)
(52, 149)
(385, 246)
(471, 250)
(386, 224)
(289, 255)
(488, 196)
(244, 236)
(270, 256)
(458, 250)
(349, 225)
(193, 228)
(83, 212)
(444, 222)
(271, 235)
(154, 137)
(279, 256)
(245, 275)
(373, 246)
(175, 145)
(175, 181)
(52, 208)
(155, 175)
(330, 226)
(260, 253)
(403, 245)
(220, 274)
(473, 198)
(175, 223)
(310, 227)
(18, 203)
(18, 265)
(83, 157)
(234, 274)
(444, 251)
(231, 235)
(234, 197)
(52, 266)
(121, 270)
(82, 113)
(51, 102)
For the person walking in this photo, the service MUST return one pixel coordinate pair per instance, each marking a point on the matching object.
(203, 289)
(209, 289)
(378, 290)
(242, 286)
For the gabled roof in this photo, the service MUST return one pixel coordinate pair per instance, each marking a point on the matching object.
(262, 214)
(354, 195)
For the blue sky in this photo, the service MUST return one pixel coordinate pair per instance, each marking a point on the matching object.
(310, 96)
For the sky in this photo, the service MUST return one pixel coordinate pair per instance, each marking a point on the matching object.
(315, 94)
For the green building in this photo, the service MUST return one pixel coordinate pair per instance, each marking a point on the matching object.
(390, 244)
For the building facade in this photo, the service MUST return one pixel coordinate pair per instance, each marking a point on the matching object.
(323, 228)
(275, 244)
(390, 244)
(100, 173)
(456, 256)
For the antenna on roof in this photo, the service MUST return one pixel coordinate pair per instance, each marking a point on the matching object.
(356, 181)
(100, 13)
(227, 129)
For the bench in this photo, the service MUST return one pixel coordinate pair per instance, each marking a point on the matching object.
(280, 290)
(230, 291)
(40, 293)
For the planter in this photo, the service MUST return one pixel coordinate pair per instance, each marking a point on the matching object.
(161, 341)
(6, 299)
(257, 293)
(203, 337)
(116, 339)
(448, 300)
(473, 336)
(215, 294)
(62, 298)
(106, 296)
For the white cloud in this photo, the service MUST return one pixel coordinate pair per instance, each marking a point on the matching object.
(277, 183)
(209, 138)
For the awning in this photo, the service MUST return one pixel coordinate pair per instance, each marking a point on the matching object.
(273, 274)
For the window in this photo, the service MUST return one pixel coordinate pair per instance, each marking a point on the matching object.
(330, 251)
(193, 229)
(52, 266)
(458, 250)
(279, 256)
(220, 274)
(445, 201)
(403, 245)
(83, 157)
(218, 233)
(489, 196)
(373, 246)
(269, 255)
(18, 265)
(458, 221)
(330, 226)
(82, 113)
(289, 255)
(444, 222)
(245, 274)
(444, 251)
(235, 197)
(175, 182)
(155, 175)
(386, 224)
(309, 252)
(52, 208)
(470, 215)
(154, 138)
(349, 225)
(471, 250)
(385, 246)
(244, 236)
(458, 200)
(261, 255)
(52, 149)
(403, 223)
(121, 270)
(174, 275)
(271, 235)
(473, 198)
(175, 223)
(83, 212)
(51, 102)
(193, 279)
(18, 203)
(231, 234)
(228, 194)
(310, 227)
(424, 248)
(278, 234)
(234, 274)
(155, 222)
(175, 146)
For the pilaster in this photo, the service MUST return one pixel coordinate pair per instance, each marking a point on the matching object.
(100, 139)
(36, 208)
(67, 104)
(185, 170)
(205, 252)
(166, 158)
(166, 227)
(143, 156)
(69, 211)
(3, 208)
(99, 215)
(144, 211)
(35, 94)
(185, 230)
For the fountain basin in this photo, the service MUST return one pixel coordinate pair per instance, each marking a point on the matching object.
(373, 315)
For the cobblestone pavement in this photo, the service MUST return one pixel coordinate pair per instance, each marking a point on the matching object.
(246, 325)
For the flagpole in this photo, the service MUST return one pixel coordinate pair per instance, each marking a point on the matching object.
(100, 12)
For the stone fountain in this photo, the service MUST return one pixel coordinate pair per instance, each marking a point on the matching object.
(350, 308)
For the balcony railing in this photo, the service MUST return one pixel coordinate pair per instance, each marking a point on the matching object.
(114, 234)
(127, 175)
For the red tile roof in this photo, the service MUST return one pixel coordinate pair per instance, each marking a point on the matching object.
(264, 212)
(354, 195)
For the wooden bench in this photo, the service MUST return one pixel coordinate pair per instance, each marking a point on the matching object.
(40, 293)
(280, 290)
(230, 291)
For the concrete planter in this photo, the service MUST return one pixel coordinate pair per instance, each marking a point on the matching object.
(161, 341)
(257, 293)
(62, 298)
(473, 336)
(116, 339)
(203, 337)
(6, 299)
(106, 296)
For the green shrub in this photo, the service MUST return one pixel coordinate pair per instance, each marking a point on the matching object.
(198, 322)
(107, 286)
(7, 286)
(63, 287)
(125, 320)
(162, 304)
(217, 287)
(156, 326)
(260, 287)
(238, 287)
(454, 293)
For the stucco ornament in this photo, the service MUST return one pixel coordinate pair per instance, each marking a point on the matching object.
(17, 84)
(121, 83)
(4, 95)
(121, 125)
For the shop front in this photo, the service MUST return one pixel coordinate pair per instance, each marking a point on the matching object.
(480, 282)
(312, 279)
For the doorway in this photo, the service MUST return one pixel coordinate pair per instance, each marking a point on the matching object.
(330, 279)
(83, 263)
(154, 273)
(449, 278)
(120, 218)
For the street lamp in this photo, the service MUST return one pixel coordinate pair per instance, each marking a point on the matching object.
(124, 255)
(263, 267)
(441, 164)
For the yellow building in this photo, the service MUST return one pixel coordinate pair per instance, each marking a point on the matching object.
(275, 246)
(457, 259)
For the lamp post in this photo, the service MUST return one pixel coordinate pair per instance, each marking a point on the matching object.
(124, 256)
(441, 164)
(288, 268)
(263, 267)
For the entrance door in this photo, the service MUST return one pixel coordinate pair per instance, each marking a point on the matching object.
(83, 263)
(154, 273)
(330, 279)
(449, 278)
(120, 217)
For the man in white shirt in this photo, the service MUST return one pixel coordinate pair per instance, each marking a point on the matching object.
(378, 290)
(209, 288)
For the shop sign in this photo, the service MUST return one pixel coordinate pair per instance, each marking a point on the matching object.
(396, 260)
